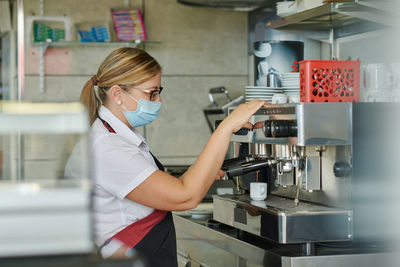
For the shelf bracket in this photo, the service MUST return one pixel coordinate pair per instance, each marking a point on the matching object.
(42, 50)
(332, 42)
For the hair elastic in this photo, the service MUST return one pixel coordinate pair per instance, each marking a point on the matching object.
(94, 79)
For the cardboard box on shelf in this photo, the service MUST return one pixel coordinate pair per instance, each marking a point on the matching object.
(128, 25)
(94, 31)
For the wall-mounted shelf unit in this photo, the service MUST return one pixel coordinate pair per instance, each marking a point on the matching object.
(234, 5)
(72, 44)
(344, 18)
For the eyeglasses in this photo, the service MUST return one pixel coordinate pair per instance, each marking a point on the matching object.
(154, 94)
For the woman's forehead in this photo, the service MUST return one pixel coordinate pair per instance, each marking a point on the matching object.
(152, 82)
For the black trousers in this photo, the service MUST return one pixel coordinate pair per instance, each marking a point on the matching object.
(159, 246)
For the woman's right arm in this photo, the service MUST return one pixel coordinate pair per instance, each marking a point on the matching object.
(163, 191)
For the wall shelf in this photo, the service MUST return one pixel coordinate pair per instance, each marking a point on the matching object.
(73, 44)
(345, 18)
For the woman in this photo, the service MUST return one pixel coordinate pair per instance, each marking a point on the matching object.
(132, 193)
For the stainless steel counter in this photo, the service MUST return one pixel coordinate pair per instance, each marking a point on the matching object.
(204, 244)
(213, 245)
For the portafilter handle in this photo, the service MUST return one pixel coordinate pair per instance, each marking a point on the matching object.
(252, 166)
(235, 161)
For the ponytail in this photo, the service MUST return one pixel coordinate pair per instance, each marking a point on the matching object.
(90, 100)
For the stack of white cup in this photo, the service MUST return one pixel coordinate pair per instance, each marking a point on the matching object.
(283, 98)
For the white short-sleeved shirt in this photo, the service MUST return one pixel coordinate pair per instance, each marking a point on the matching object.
(122, 161)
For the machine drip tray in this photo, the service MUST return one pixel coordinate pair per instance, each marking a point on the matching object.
(280, 220)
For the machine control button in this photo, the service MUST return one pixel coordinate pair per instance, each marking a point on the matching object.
(341, 169)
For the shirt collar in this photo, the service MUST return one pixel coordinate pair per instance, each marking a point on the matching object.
(120, 128)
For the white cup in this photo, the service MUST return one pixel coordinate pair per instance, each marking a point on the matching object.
(377, 77)
(294, 99)
(258, 191)
(279, 99)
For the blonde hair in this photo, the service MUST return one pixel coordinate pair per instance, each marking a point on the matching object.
(126, 65)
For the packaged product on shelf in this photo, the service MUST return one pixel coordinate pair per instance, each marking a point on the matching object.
(128, 25)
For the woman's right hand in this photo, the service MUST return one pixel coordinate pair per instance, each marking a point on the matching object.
(240, 117)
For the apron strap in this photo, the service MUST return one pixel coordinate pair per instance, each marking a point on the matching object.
(108, 126)
(158, 163)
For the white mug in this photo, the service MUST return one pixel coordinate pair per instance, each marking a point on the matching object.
(377, 77)
(279, 99)
(258, 191)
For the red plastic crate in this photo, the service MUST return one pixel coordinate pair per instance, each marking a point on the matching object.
(329, 81)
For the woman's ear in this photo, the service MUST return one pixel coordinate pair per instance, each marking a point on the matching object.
(115, 94)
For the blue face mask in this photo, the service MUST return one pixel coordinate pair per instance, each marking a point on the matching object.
(145, 112)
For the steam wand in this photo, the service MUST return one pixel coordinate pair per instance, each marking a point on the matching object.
(299, 181)
(299, 163)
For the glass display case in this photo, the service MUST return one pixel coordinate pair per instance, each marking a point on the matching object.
(44, 179)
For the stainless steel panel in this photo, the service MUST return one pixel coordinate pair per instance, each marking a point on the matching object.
(324, 124)
(280, 220)
(215, 248)
(311, 176)
(351, 260)
(335, 191)
(318, 124)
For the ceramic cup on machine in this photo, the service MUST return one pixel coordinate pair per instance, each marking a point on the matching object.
(378, 82)
(279, 99)
(258, 191)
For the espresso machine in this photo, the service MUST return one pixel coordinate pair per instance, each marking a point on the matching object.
(316, 160)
